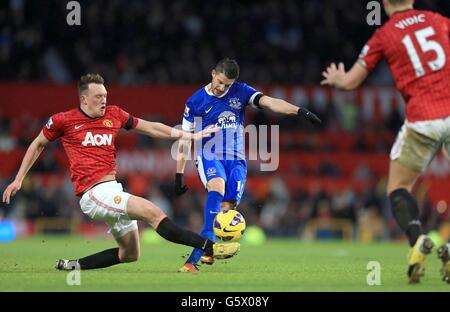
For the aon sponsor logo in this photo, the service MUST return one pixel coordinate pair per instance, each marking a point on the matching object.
(97, 139)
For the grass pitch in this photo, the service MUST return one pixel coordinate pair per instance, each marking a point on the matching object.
(279, 266)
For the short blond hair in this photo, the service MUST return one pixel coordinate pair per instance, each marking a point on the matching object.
(397, 2)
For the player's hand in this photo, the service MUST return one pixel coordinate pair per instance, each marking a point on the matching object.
(11, 190)
(180, 187)
(311, 117)
(205, 133)
(332, 74)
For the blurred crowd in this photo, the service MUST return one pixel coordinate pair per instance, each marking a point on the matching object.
(338, 214)
(178, 41)
(280, 210)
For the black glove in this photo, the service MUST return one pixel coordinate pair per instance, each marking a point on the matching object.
(180, 187)
(311, 117)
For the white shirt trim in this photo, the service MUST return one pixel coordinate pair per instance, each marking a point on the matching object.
(252, 98)
(187, 125)
(201, 171)
(362, 63)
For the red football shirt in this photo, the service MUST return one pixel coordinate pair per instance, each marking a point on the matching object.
(416, 46)
(89, 142)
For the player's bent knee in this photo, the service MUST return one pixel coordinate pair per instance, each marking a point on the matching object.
(130, 257)
(216, 184)
(154, 214)
(130, 253)
(397, 186)
(143, 209)
(228, 205)
(400, 177)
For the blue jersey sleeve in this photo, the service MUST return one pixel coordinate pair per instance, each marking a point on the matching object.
(188, 116)
(249, 94)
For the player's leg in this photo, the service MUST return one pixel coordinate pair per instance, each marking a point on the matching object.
(107, 202)
(213, 176)
(234, 188)
(235, 185)
(444, 255)
(129, 247)
(228, 205)
(410, 154)
(128, 251)
(404, 206)
(444, 250)
(142, 209)
(406, 212)
(207, 231)
(216, 190)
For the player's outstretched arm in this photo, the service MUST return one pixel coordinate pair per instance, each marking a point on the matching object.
(184, 147)
(281, 106)
(33, 152)
(162, 131)
(336, 76)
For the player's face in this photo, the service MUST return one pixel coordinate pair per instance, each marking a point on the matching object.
(220, 83)
(387, 7)
(95, 100)
(390, 9)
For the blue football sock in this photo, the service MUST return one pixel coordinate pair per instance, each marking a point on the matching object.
(211, 210)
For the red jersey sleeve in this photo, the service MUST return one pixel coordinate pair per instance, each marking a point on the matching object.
(372, 52)
(54, 127)
(127, 120)
(448, 23)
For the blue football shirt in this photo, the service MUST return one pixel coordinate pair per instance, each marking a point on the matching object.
(227, 112)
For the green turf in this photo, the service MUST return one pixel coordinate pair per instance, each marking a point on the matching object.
(279, 265)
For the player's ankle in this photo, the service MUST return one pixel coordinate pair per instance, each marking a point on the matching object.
(209, 249)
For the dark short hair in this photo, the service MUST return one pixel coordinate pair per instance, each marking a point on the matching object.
(83, 83)
(228, 67)
(397, 2)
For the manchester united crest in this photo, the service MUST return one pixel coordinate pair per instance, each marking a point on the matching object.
(107, 123)
(117, 199)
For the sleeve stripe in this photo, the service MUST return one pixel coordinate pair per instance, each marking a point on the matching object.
(362, 62)
(129, 123)
(46, 134)
(187, 125)
(252, 98)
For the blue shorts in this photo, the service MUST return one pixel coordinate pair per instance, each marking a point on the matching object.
(234, 172)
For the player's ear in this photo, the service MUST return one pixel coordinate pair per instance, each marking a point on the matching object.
(386, 6)
(213, 73)
(82, 99)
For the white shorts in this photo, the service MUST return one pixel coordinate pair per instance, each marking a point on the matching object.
(107, 202)
(418, 142)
